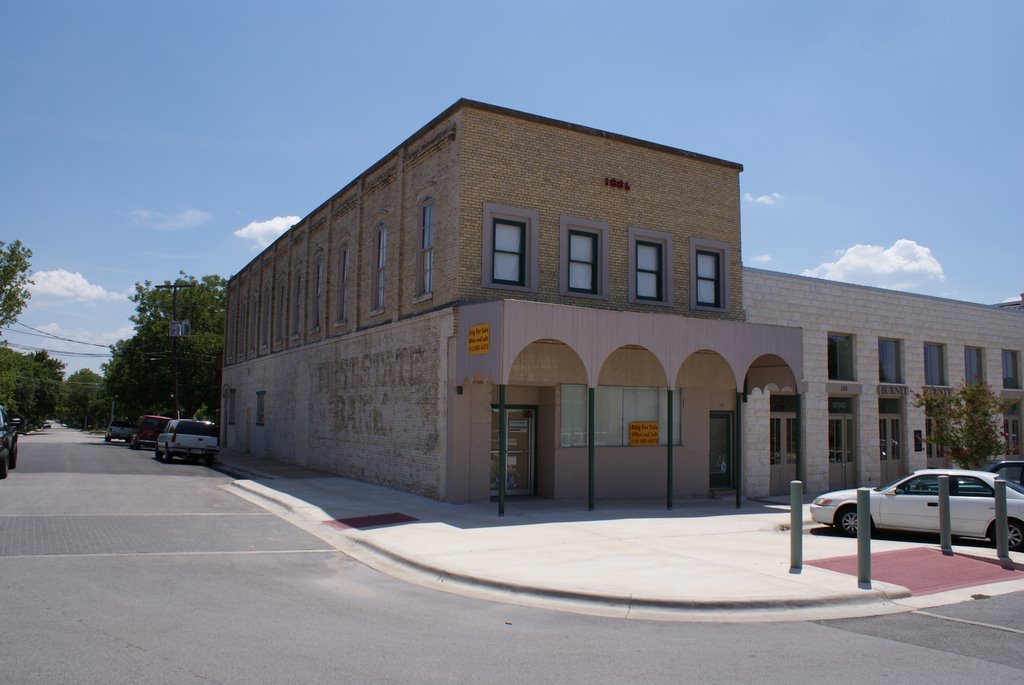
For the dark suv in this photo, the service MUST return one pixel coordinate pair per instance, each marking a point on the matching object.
(147, 430)
(1011, 470)
(8, 442)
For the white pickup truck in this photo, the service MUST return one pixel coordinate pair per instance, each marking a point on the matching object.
(189, 439)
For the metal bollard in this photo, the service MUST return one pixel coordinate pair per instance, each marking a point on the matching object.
(1002, 531)
(796, 526)
(863, 538)
(945, 536)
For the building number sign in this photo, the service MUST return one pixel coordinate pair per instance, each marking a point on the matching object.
(616, 183)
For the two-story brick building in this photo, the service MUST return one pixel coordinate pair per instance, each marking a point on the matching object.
(502, 287)
(498, 264)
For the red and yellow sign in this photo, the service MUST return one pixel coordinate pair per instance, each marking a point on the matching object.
(643, 433)
(480, 338)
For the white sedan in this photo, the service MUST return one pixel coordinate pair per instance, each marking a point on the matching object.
(912, 503)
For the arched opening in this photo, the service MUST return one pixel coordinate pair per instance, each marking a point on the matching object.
(773, 456)
(710, 424)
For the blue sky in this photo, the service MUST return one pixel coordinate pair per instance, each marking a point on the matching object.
(881, 140)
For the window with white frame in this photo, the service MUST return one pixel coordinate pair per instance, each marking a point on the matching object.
(934, 364)
(583, 258)
(343, 260)
(1011, 370)
(509, 258)
(380, 269)
(709, 282)
(615, 409)
(426, 280)
(650, 278)
(889, 363)
(974, 371)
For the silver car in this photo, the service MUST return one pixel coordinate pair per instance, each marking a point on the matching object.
(912, 503)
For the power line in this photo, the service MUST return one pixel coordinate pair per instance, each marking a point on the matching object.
(52, 335)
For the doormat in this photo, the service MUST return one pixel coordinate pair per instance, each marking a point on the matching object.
(925, 570)
(371, 521)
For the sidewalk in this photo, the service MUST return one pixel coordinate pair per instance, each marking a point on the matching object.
(703, 560)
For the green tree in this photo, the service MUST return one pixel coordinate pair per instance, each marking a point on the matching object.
(14, 280)
(30, 384)
(83, 402)
(964, 422)
(139, 374)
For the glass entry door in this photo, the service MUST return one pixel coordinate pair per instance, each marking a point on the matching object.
(720, 461)
(890, 452)
(782, 456)
(520, 424)
(842, 467)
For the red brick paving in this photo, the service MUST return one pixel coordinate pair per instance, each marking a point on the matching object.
(925, 571)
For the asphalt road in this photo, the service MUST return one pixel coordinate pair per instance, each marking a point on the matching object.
(116, 568)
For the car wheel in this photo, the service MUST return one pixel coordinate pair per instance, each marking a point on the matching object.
(3, 468)
(846, 520)
(1015, 536)
(106, 438)
(133, 445)
(13, 463)
(208, 460)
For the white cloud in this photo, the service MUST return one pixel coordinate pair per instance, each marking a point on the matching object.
(265, 232)
(903, 266)
(768, 199)
(71, 286)
(761, 258)
(190, 218)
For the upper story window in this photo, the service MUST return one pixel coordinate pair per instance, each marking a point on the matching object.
(318, 276)
(509, 256)
(650, 278)
(509, 252)
(709, 282)
(265, 299)
(380, 271)
(343, 260)
(296, 305)
(890, 366)
(583, 264)
(934, 364)
(281, 299)
(426, 280)
(974, 362)
(1011, 369)
(840, 357)
(254, 303)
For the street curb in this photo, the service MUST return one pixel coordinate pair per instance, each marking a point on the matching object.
(380, 557)
(628, 602)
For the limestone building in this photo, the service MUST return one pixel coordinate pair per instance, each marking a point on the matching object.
(506, 289)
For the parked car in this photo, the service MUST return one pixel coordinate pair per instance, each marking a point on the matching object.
(911, 503)
(146, 431)
(8, 442)
(1011, 470)
(189, 439)
(119, 430)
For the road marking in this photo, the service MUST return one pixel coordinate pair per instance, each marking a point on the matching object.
(172, 554)
(1005, 629)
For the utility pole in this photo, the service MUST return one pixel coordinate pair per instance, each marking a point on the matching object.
(175, 333)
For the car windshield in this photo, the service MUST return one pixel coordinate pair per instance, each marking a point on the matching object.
(197, 428)
(1015, 487)
(888, 485)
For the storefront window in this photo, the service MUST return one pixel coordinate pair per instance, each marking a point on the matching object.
(615, 408)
